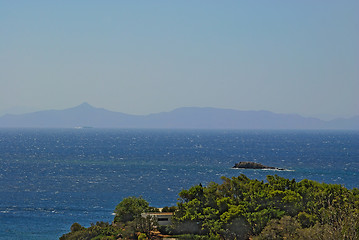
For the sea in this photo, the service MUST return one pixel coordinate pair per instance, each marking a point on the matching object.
(51, 178)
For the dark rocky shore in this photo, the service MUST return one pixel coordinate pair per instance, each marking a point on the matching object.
(254, 165)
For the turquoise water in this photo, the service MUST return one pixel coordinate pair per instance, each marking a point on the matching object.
(50, 178)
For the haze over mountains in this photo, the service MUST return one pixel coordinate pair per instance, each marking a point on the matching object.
(86, 115)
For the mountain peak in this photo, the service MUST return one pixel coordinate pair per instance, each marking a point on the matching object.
(185, 118)
(85, 105)
(82, 107)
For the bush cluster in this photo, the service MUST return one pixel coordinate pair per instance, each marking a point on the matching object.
(277, 209)
(240, 208)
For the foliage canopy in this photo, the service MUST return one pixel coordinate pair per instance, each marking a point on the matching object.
(130, 208)
(241, 208)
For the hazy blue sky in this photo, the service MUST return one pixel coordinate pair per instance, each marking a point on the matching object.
(142, 57)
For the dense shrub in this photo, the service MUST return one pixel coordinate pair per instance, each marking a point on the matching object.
(241, 208)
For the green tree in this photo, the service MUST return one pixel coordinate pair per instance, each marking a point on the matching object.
(130, 208)
(239, 208)
(76, 227)
(146, 224)
(285, 228)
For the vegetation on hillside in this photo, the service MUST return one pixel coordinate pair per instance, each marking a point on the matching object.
(241, 208)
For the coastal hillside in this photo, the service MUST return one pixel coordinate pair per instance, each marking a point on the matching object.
(239, 208)
(86, 115)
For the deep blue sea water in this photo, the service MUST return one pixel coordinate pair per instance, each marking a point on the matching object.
(51, 178)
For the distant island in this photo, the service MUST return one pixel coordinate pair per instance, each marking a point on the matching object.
(254, 165)
(180, 118)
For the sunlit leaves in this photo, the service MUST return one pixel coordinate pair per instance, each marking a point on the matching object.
(216, 209)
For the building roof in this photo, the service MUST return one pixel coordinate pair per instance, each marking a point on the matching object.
(160, 213)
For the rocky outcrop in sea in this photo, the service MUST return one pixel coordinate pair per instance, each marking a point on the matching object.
(254, 165)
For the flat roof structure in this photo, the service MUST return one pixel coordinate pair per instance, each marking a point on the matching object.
(163, 218)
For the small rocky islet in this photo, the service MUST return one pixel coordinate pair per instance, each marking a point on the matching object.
(254, 165)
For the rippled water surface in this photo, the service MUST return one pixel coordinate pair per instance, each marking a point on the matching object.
(50, 178)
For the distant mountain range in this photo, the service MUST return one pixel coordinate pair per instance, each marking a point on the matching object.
(86, 115)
